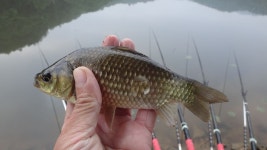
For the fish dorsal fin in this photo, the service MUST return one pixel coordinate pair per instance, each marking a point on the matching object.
(128, 50)
(168, 113)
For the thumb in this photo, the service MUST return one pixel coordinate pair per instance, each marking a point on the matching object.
(86, 110)
(82, 120)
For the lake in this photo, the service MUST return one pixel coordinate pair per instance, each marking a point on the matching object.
(30, 119)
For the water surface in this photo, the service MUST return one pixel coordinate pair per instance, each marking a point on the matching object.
(27, 117)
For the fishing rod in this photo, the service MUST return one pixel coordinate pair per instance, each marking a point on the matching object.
(51, 99)
(187, 57)
(224, 83)
(179, 146)
(216, 130)
(184, 127)
(155, 142)
(246, 113)
(63, 101)
(188, 140)
(181, 111)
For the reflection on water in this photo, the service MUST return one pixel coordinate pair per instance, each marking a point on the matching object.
(258, 7)
(20, 19)
(27, 117)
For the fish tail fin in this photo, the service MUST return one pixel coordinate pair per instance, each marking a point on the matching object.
(204, 95)
(207, 94)
(200, 109)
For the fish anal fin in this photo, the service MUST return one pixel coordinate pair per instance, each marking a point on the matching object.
(168, 113)
(109, 113)
(200, 109)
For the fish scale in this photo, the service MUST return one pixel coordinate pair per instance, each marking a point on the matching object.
(129, 79)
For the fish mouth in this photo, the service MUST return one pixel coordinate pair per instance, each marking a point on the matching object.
(36, 84)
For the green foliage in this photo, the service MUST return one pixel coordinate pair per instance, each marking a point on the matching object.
(25, 22)
(258, 7)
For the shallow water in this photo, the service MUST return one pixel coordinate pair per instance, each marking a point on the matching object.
(27, 117)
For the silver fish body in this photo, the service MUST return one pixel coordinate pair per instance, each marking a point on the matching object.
(129, 79)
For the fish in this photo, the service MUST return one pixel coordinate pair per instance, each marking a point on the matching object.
(129, 79)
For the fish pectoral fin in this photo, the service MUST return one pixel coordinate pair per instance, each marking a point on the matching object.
(71, 99)
(168, 113)
(199, 108)
(109, 113)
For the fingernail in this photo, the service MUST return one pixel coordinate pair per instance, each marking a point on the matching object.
(127, 43)
(80, 77)
(111, 40)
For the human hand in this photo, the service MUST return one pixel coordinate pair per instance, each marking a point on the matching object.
(85, 128)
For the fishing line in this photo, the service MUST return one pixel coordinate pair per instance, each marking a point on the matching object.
(43, 56)
(149, 45)
(79, 44)
(157, 42)
(187, 55)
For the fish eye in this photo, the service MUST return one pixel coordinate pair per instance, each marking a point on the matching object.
(46, 77)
